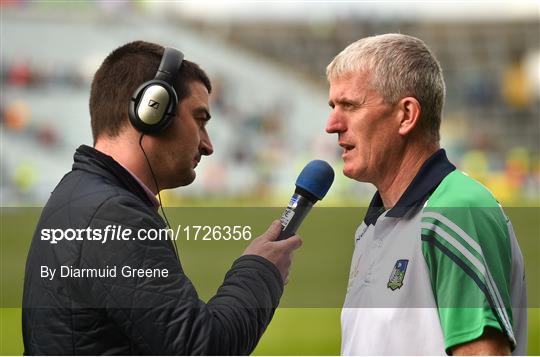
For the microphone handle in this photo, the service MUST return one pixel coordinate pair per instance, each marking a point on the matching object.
(294, 214)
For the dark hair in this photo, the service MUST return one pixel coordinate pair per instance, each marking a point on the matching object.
(121, 73)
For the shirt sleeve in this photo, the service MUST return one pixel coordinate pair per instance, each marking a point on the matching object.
(469, 258)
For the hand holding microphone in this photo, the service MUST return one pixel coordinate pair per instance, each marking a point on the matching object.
(279, 241)
(311, 186)
(279, 253)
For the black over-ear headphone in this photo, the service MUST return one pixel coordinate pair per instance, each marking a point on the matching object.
(153, 105)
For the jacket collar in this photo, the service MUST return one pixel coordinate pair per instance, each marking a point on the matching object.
(91, 160)
(430, 175)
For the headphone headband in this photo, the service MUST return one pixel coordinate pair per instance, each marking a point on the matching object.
(170, 64)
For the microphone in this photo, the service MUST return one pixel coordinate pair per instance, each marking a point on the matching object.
(311, 186)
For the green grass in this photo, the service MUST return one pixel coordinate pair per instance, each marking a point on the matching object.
(308, 321)
(10, 332)
(302, 332)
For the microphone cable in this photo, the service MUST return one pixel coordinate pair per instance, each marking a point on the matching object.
(159, 195)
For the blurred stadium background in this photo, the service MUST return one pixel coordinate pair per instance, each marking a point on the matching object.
(267, 62)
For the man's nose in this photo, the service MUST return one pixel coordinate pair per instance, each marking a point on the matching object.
(335, 123)
(206, 147)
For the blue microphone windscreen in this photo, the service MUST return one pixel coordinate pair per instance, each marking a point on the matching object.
(316, 178)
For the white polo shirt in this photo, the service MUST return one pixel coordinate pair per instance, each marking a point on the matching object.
(435, 270)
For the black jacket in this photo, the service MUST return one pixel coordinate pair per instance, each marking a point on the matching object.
(118, 315)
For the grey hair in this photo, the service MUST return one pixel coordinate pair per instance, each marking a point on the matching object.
(400, 66)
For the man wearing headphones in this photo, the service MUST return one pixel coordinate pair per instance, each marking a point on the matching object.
(93, 309)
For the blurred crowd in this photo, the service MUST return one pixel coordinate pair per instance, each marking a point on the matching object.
(491, 123)
(259, 146)
(16, 116)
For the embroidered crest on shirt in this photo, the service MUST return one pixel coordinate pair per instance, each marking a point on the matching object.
(398, 274)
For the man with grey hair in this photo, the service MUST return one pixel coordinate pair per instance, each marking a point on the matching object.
(436, 267)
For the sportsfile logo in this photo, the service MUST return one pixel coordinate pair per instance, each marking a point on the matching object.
(153, 104)
(119, 233)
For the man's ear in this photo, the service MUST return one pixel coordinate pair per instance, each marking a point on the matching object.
(411, 110)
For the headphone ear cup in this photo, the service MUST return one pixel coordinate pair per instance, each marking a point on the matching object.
(132, 112)
(153, 106)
